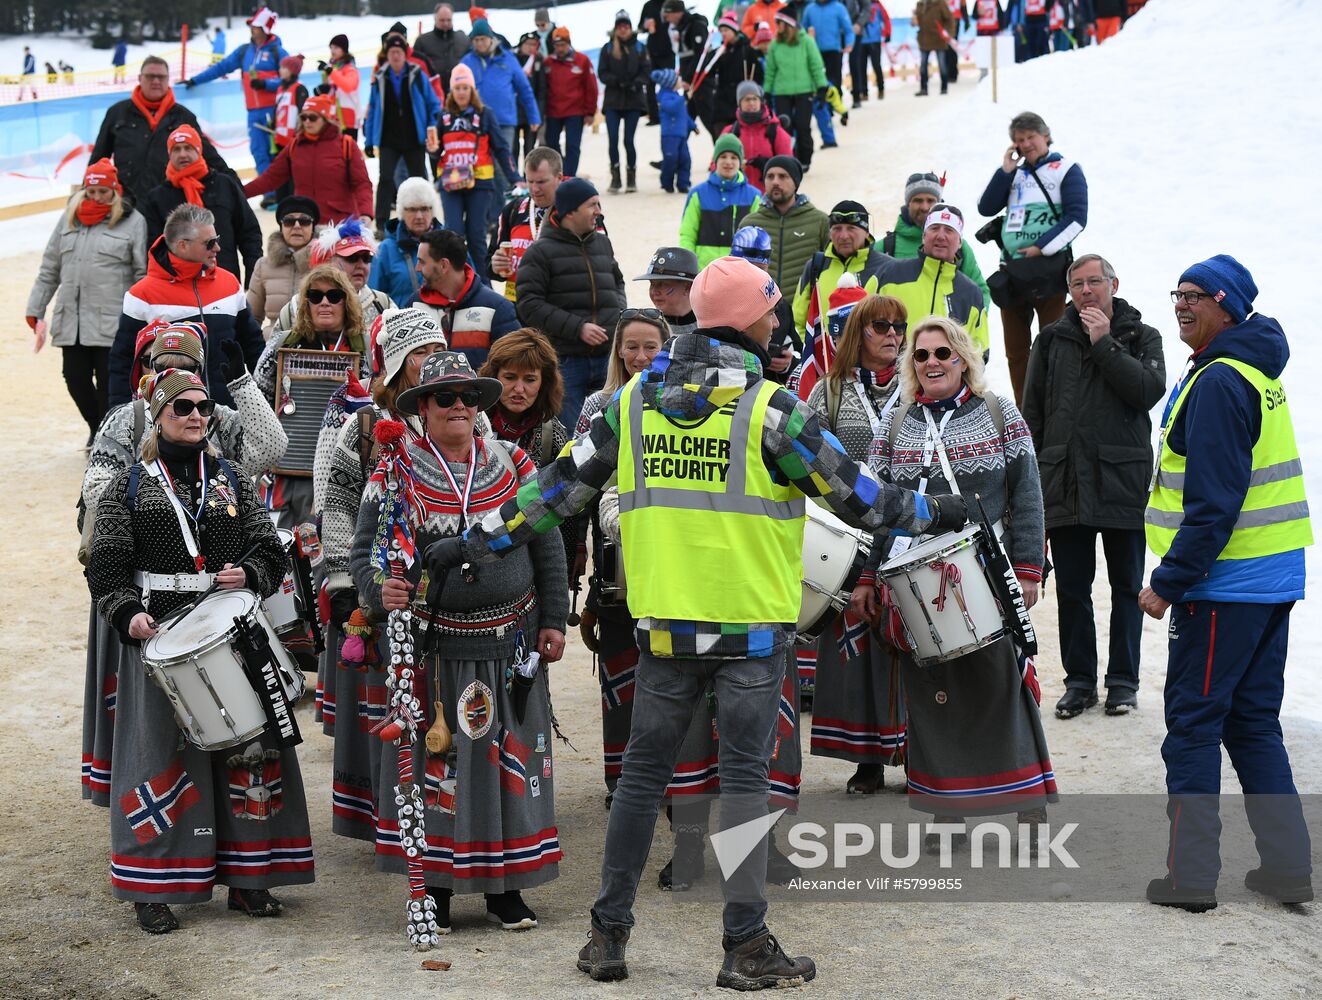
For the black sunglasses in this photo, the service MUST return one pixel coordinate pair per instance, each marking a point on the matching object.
(364, 257)
(655, 315)
(296, 220)
(332, 295)
(941, 354)
(211, 244)
(880, 326)
(308, 118)
(445, 397)
(183, 407)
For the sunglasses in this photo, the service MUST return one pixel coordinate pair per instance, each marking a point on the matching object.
(941, 354)
(211, 244)
(445, 397)
(359, 258)
(184, 407)
(296, 220)
(308, 118)
(883, 326)
(655, 315)
(332, 295)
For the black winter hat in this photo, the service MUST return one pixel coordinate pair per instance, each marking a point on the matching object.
(788, 164)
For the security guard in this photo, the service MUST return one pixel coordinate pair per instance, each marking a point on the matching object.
(1229, 520)
(714, 462)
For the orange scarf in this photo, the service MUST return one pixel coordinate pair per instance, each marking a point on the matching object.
(152, 112)
(91, 212)
(189, 180)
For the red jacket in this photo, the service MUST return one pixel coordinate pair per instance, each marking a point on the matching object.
(571, 86)
(757, 148)
(330, 170)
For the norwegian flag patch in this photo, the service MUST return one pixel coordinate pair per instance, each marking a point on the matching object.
(511, 757)
(156, 805)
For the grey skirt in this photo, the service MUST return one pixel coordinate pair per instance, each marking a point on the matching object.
(858, 708)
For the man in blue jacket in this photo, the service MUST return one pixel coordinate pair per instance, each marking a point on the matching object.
(258, 59)
(503, 87)
(1228, 517)
(828, 23)
(402, 107)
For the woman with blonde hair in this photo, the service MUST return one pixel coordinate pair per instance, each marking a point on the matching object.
(975, 739)
(96, 252)
(858, 708)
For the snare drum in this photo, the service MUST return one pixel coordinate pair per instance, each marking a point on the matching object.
(948, 607)
(833, 558)
(203, 677)
(282, 606)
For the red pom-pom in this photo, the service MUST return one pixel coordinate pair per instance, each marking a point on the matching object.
(388, 432)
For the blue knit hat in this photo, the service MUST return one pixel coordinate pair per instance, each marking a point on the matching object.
(1229, 283)
(665, 78)
(481, 27)
(752, 243)
(571, 193)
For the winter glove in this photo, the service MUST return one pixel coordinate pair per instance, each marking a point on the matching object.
(758, 162)
(323, 66)
(445, 555)
(821, 93)
(948, 514)
(369, 152)
(231, 361)
(343, 603)
(190, 83)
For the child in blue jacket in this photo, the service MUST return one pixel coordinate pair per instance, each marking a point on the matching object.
(676, 124)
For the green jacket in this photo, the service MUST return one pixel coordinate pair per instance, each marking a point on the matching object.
(904, 240)
(794, 69)
(795, 237)
(714, 210)
(822, 284)
(931, 287)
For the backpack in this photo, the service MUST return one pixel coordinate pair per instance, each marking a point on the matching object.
(888, 244)
(772, 129)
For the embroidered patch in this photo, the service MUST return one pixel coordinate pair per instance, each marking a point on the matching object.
(477, 708)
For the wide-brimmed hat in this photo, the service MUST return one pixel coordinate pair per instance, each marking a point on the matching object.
(671, 264)
(449, 370)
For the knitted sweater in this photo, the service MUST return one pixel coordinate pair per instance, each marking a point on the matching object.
(854, 425)
(250, 436)
(1002, 470)
(540, 566)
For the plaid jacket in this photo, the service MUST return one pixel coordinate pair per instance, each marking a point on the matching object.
(695, 375)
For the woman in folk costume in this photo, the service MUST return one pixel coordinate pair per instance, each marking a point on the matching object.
(177, 826)
(858, 708)
(250, 437)
(489, 818)
(354, 699)
(607, 627)
(328, 317)
(96, 252)
(975, 744)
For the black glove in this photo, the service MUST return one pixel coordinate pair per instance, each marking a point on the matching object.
(947, 514)
(231, 361)
(821, 93)
(443, 556)
(343, 603)
(322, 88)
(759, 162)
(324, 66)
(369, 152)
(190, 83)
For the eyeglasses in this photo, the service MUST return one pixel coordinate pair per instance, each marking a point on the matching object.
(308, 118)
(211, 244)
(941, 354)
(881, 327)
(1096, 282)
(445, 397)
(296, 220)
(332, 295)
(652, 314)
(859, 219)
(1193, 298)
(359, 258)
(184, 407)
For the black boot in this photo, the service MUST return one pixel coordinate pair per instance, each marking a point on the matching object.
(867, 780)
(631, 180)
(615, 179)
(155, 918)
(1164, 892)
(510, 911)
(441, 897)
(254, 902)
(1120, 701)
(602, 957)
(1282, 888)
(1075, 701)
(758, 963)
(692, 866)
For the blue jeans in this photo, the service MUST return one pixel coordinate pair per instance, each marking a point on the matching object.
(573, 129)
(581, 376)
(1225, 678)
(665, 696)
(1074, 553)
(503, 183)
(466, 214)
(675, 163)
(630, 119)
(940, 68)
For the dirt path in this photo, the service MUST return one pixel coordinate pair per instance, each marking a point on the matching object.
(63, 935)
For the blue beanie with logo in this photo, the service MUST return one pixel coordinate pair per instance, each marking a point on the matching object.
(1227, 281)
(752, 243)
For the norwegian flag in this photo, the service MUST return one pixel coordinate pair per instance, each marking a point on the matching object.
(439, 785)
(372, 705)
(785, 717)
(851, 636)
(110, 693)
(617, 679)
(818, 357)
(511, 757)
(257, 790)
(155, 805)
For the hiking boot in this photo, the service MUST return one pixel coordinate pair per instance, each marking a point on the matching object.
(1164, 892)
(1075, 701)
(1121, 701)
(758, 963)
(255, 902)
(602, 957)
(510, 911)
(156, 918)
(631, 180)
(867, 780)
(615, 179)
(1282, 888)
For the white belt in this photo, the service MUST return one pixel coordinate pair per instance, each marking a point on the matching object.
(179, 583)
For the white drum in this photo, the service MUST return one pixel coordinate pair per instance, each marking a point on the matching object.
(203, 677)
(282, 606)
(833, 558)
(948, 607)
